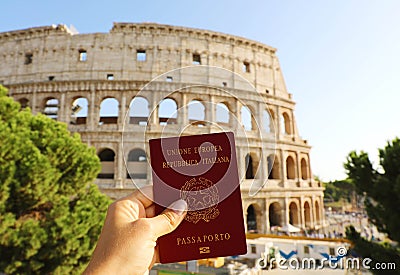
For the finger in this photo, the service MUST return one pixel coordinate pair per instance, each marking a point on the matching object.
(144, 195)
(169, 219)
(156, 254)
(150, 211)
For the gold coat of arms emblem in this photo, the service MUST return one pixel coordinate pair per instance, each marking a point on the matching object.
(202, 198)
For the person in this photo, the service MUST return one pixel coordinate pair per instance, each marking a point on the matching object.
(127, 243)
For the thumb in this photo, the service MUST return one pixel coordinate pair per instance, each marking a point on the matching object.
(169, 219)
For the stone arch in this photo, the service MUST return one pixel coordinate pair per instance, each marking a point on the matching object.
(247, 119)
(251, 165)
(107, 159)
(139, 111)
(304, 169)
(51, 107)
(196, 112)
(294, 214)
(168, 111)
(307, 214)
(109, 111)
(266, 121)
(137, 164)
(79, 110)
(253, 218)
(286, 124)
(273, 167)
(24, 102)
(275, 214)
(222, 113)
(290, 168)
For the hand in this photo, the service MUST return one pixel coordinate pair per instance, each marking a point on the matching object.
(127, 243)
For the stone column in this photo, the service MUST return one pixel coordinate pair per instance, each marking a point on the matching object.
(92, 118)
(292, 124)
(183, 110)
(268, 226)
(154, 107)
(238, 114)
(283, 167)
(310, 177)
(298, 167)
(260, 120)
(119, 167)
(210, 111)
(298, 215)
(262, 224)
(232, 113)
(287, 218)
(302, 221)
(121, 111)
(313, 212)
(278, 123)
(262, 166)
(61, 113)
(240, 160)
(34, 103)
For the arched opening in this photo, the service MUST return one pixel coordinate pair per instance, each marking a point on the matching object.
(24, 102)
(107, 158)
(317, 212)
(273, 167)
(293, 214)
(285, 124)
(109, 111)
(266, 121)
(275, 214)
(79, 111)
(246, 118)
(304, 169)
(222, 113)
(307, 214)
(168, 112)
(139, 111)
(251, 220)
(251, 165)
(290, 168)
(196, 113)
(51, 108)
(137, 164)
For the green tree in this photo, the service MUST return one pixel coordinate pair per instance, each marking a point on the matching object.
(340, 190)
(50, 212)
(381, 189)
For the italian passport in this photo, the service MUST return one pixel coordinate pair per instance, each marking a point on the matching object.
(202, 170)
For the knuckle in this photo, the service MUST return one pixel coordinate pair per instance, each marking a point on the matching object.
(170, 220)
(114, 206)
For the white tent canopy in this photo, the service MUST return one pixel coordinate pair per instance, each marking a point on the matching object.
(290, 228)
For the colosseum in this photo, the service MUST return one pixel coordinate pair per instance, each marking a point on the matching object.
(98, 84)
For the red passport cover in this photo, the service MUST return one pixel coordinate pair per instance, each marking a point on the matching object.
(202, 170)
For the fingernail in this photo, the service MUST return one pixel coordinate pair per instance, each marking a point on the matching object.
(179, 206)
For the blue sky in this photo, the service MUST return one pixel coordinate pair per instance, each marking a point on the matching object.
(340, 58)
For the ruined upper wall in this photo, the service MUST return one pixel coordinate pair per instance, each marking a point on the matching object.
(53, 53)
